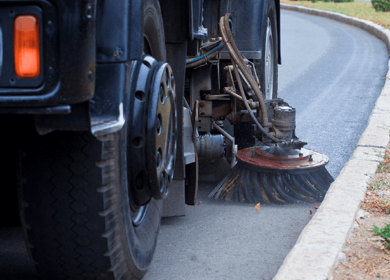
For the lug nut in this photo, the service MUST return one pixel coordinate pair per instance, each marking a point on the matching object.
(158, 158)
(158, 125)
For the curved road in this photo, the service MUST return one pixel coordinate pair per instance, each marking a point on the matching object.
(332, 74)
(333, 82)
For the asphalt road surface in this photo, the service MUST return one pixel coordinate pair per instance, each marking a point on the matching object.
(332, 74)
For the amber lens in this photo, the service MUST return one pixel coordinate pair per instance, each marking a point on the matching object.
(26, 46)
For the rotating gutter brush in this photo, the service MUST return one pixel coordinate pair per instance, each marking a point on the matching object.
(279, 170)
(275, 179)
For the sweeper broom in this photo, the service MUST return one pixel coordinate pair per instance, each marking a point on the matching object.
(278, 169)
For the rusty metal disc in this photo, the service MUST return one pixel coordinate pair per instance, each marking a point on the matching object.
(304, 160)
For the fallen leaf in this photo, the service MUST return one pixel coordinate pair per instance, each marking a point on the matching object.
(357, 222)
(316, 207)
(310, 212)
(199, 202)
(257, 207)
(382, 248)
(349, 256)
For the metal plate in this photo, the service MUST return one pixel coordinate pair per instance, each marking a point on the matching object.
(255, 158)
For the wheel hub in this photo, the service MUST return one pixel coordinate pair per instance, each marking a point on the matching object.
(161, 141)
(152, 131)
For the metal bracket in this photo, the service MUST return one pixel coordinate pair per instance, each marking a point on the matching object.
(106, 127)
(230, 142)
(106, 109)
(188, 143)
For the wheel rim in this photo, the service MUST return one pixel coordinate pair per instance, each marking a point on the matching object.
(162, 124)
(269, 62)
(151, 147)
(137, 214)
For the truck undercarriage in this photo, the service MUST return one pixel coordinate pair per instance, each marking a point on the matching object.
(132, 102)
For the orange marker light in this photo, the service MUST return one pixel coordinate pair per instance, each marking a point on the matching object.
(26, 46)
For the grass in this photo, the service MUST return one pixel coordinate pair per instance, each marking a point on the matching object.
(362, 10)
(377, 185)
(386, 206)
(384, 167)
(384, 233)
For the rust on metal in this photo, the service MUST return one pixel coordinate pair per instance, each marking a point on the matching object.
(305, 159)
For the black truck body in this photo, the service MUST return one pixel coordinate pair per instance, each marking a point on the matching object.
(99, 76)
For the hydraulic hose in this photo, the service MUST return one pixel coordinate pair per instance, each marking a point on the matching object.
(237, 59)
(193, 62)
(241, 89)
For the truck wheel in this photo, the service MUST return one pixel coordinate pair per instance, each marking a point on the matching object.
(267, 67)
(77, 192)
(76, 209)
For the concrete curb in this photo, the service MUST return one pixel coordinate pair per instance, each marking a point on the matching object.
(319, 247)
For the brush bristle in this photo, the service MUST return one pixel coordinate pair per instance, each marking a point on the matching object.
(245, 185)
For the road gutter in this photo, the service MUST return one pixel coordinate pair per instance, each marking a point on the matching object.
(319, 247)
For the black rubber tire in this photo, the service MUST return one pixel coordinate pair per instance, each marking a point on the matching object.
(8, 165)
(75, 209)
(75, 201)
(260, 64)
(154, 38)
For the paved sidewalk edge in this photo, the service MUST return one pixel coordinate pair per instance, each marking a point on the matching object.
(319, 247)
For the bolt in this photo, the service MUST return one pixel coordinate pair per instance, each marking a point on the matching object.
(158, 125)
(310, 157)
(51, 71)
(201, 104)
(158, 159)
(162, 181)
(117, 53)
(89, 11)
(90, 76)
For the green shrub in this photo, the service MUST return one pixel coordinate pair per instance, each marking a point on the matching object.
(384, 233)
(381, 5)
(339, 1)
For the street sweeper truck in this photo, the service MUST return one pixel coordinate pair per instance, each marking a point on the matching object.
(111, 110)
